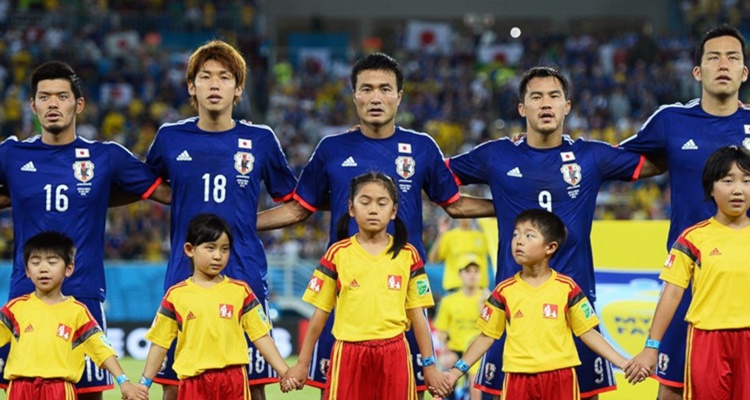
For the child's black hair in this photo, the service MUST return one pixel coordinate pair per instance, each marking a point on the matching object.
(549, 225)
(50, 242)
(720, 162)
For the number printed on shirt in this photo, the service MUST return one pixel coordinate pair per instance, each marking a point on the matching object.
(214, 189)
(60, 202)
(545, 200)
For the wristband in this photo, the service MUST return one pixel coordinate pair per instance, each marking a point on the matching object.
(427, 361)
(145, 381)
(652, 343)
(122, 379)
(461, 365)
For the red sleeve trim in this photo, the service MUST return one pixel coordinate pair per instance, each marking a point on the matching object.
(451, 200)
(638, 169)
(151, 189)
(455, 177)
(303, 203)
(84, 329)
(284, 198)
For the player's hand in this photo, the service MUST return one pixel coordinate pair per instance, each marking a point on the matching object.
(452, 376)
(131, 392)
(517, 137)
(298, 375)
(354, 128)
(436, 382)
(641, 366)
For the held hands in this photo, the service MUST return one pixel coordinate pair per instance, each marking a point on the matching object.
(133, 392)
(641, 366)
(437, 382)
(294, 379)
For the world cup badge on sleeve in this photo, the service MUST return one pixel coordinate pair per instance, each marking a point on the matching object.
(243, 162)
(405, 166)
(571, 173)
(83, 170)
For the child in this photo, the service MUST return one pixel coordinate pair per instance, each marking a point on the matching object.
(713, 254)
(457, 316)
(209, 314)
(50, 332)
(378, 285)
(539, 309)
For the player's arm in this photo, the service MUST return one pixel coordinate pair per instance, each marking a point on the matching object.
(4, 197)
(286, 214)
(436, 382)
(596, 342)
(120, 197)
(470, 207)
(653, 165)
(476, 350)
(154, 361)
(128, 390)
(314, 329)
(267, 347)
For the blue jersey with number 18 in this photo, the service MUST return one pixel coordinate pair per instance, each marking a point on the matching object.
(564, 180)
(221, 173)
(66, 189)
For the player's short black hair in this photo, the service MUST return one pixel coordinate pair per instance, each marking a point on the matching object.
(49, 242)
(720, 162)
(719, 31)
(550, 225)
(56, 70)
(542, 72)
(207, 228)
(378, 62)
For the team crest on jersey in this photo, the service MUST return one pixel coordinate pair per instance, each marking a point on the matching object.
(64, 331)
(486, 313)
(489, 371)
(243, 162)
(315, 284)
(746, 143)
(83, 170)
(394, 282)
(405, 166)
(226, 311)
(571, 173)
(549, 310)
(663, 362)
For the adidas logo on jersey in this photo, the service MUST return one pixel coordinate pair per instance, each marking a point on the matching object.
(28, 329)
(690, 145)
(349, 162)
(29, 167)
(515, 172)
(518, 314)
(184, 156)
(353, 284)
(715, 252)
(190, 316)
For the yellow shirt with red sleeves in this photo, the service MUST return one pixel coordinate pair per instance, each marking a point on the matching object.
(371, 293)
(50, 340)
(454, 245)
(715, 257)
(457, 316)
(538, 322)
(209, 324)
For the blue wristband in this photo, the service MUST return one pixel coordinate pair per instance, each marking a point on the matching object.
(461, 365)
(145, 381)
(652, 343)
(122, 379)
(427, 361)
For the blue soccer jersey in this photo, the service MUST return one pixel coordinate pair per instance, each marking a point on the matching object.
(686, 135)
(66, 189)
(221, 173)
(411, 158)
(564, 180)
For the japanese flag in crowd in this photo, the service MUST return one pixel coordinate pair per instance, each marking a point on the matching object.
(122, 43)
(430, 37)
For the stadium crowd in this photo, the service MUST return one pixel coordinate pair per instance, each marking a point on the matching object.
(134, 80)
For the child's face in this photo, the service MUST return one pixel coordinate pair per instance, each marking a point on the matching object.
(372, 207)
(209, 258)
(470, 276)
(529, 246)
(732, 192)
(47, 271)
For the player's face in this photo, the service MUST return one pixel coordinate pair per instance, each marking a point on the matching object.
(722, 68)
(47, 271)
(529, 246)
(377, 97)
(544, 106)
(55, 106)
(470, 276)
(214, 87)
(732, 193)
(372, 208)
(209, 258)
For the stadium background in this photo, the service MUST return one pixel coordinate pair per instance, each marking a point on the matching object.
(462, 65)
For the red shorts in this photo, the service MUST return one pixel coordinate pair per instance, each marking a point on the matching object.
(560, 384)
(39, 388)
(717, 364)
(374, 369)
(228, 383)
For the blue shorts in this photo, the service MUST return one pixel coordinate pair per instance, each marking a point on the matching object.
(594, 374)
(259, 372)
(670, 365)
(94, 379)
(321, 359)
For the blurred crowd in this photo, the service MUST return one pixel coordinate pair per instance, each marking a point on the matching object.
(132, 65)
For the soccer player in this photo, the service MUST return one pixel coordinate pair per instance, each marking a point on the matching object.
(713, 255)
(379, 287)
(680, 138)
(538, 309)
(60, 181)
(49, 332)
(209, 315)
(548, 170)
(216, 164)
(412, 159)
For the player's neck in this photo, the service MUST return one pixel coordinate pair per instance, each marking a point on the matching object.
(206, 281)
(215, 122)
(536, 274)
(60, 139)
(378, 131)
(544, 141)
(51, 297)
(739, 222)
(373, 242)
(720, 106)
(469, 290)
